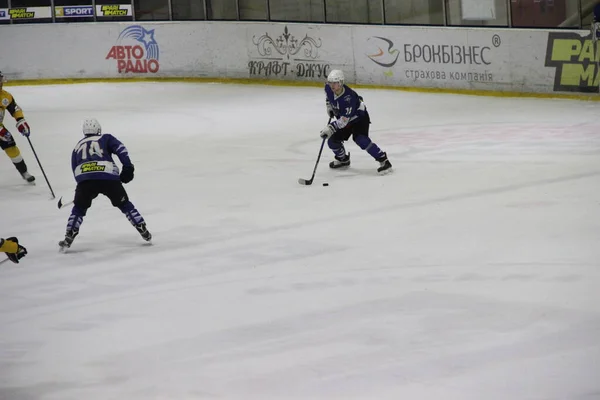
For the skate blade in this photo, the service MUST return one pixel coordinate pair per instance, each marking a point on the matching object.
(386, 172)
(62, 248)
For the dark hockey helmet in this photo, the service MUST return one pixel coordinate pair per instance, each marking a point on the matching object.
(2, 78)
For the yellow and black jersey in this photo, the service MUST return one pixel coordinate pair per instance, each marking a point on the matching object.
(7, 102)
(8, 246)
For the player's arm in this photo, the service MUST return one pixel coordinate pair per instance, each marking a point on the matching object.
(328, 106)
(74, 160)
(119, 149)
(14, 110)
(349, 108)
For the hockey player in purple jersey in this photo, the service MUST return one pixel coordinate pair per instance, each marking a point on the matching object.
(96, 173)
(349, 118)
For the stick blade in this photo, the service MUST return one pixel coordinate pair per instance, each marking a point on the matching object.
(305, 181)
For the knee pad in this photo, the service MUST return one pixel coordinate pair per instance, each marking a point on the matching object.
(126, 207)
(14, 153)
(82, 204)
(120, 202)
(6, 139)
(362, 141)
(79, 211)
(334, 144)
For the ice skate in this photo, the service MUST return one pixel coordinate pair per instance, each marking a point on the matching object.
(28, 177)
(146, 235)
(67, 241)
(340, 162)
(384, 165)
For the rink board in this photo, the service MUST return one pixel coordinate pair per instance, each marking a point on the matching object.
(479, 59)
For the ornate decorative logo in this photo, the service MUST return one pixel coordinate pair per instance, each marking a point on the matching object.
(288, 55)
(287, 45)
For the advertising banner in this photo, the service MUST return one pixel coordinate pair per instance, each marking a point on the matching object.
(517, 60)
(575, 58)
(461, 58)
(73, 11)
(135, 50)
(25, 13)
(281, 51)
(114, 10)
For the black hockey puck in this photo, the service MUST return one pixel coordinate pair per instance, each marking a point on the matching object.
(326, 184)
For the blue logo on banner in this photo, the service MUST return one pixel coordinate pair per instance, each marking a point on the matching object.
(2, 13)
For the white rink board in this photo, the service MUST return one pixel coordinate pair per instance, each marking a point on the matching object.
(450, 58)
(427, 57)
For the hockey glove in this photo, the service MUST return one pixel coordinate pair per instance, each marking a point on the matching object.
(330, 111)
(21, 251)
(327, 132)
(23, 127)
(127, 174)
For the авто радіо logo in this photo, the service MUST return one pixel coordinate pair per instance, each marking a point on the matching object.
(140, 56)
(575, 61)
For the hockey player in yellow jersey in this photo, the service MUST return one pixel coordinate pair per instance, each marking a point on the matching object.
(14, 251)
(7, 142)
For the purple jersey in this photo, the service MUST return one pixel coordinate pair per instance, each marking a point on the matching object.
(347, 107)
(92, 158)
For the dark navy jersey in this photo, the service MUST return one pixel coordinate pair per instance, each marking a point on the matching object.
(92, 158)
(347, 107)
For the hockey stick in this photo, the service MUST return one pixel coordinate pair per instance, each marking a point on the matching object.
(5, 260)
(40, 164)
(310, 181)
(63, 205)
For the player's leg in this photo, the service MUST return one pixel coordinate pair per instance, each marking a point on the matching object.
(7, 143)
(85, 192)
(360, 135)
(336, 144)
(117, 194)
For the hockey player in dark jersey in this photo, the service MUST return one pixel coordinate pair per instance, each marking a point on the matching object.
(96, 173)
(14, 251)
(349, 118)
(7, 142)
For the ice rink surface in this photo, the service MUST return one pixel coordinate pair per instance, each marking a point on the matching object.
(471, 272)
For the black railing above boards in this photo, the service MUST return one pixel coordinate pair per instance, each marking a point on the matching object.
(571, 14)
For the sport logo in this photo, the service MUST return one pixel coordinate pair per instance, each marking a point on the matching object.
(74, 11)
(136, 51)
(575, 61)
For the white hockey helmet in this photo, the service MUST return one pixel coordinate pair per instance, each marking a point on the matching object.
(336, 76)
(91, 126)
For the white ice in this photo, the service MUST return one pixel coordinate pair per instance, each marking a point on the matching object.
(470, 273)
